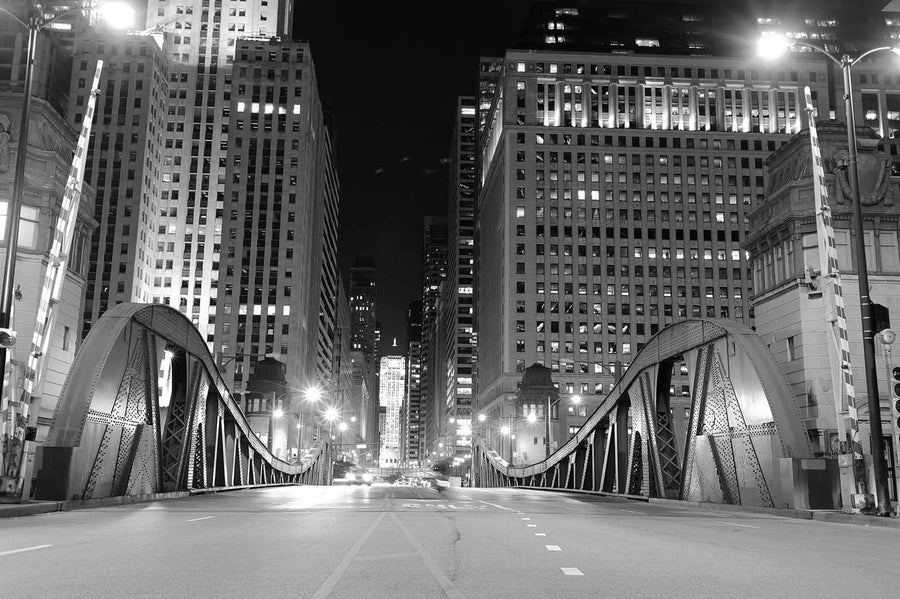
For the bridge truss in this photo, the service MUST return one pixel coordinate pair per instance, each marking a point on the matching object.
(742, 420)
(115, 434)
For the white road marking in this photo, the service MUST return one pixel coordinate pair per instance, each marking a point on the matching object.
(198, 519)
(572, 572)
(447, 585)
(632, 512)
(2, 553)
(332, 580)
(366, 558)
(526, 518)
(540, 534)
(499, 507)
(553, 547)
(531, 525)
(736, 524)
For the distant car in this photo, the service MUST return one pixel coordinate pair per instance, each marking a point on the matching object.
(359, 476)
(403, 482)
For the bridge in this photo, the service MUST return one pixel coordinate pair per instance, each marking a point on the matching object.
(743, 422)
(113, 434)
(286, 527)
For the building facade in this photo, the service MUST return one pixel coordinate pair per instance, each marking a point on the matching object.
(272, 248)
(392, 380)
(124, 165)
(412, 418)
(614, 196)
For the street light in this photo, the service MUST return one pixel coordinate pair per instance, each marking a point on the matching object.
(771, 46)
(276, 414)
(117, 14)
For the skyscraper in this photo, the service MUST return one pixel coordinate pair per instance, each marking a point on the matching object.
(615, 188)
(363, 302)
(434, 272)
(457, 319)
(414, 429)
(124, 165)
(392, 382)
(276, 278)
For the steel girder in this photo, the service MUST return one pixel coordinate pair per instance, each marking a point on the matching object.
(743, 418)
(112, 436)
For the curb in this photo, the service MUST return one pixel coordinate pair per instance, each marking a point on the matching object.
(831, 516)
(31, 508)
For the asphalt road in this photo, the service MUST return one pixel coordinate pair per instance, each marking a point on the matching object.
(402, 542)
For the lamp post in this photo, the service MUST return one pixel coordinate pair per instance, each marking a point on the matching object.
(576, 399)
(117, 13)
(770, 46)
(275, 415)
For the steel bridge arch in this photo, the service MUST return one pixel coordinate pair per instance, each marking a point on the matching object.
(111, 437)
(743, 419)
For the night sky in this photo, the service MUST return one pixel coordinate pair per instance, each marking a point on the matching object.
(390, 73)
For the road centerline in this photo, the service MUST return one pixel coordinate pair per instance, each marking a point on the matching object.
(736, 524)
(23, 550)
(198, 519)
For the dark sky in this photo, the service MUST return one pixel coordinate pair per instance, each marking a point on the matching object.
(390, 72)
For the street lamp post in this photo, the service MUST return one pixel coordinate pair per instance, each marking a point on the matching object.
(770, 46)
(34, 24)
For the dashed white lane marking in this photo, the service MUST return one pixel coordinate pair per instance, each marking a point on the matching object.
(553, 547)
(572, 572)
(531, 525)
(23, 549)
(736, 524)
(540, 534)
(198, 519)
(526, 518)
(632, 512)
(366, 558)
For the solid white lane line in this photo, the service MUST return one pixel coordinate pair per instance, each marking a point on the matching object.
(22, 550)
(335, 576)
(499, 507)
(540, 534)
(198, 519)
(368, 558)
(572, 572)
(450, 589)
(553, 547)
(736, 524)
(632, 512)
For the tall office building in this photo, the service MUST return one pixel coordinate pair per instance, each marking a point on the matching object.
(276, 268)
(392, 382)
(434, 272)
(414, 426)
(330, 277)
(615, 188)
(199, 134)
(124, 165)
(363, 302)
(341, 376)
(457, 332)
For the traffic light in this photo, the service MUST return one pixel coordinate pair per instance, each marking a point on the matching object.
(7, 337)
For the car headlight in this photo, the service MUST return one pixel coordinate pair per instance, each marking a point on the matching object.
(367, 477)
(351, 476)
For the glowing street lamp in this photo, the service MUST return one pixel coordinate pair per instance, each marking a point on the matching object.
(771, 46)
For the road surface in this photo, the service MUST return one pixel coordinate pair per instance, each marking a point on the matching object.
(389, 541)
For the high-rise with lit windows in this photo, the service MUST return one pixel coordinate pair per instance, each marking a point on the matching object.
(279, 224)
(392, 384)
(124, 165)
(616, 180)
(197, 143)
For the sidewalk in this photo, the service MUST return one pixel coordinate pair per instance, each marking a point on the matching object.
(31, 508)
